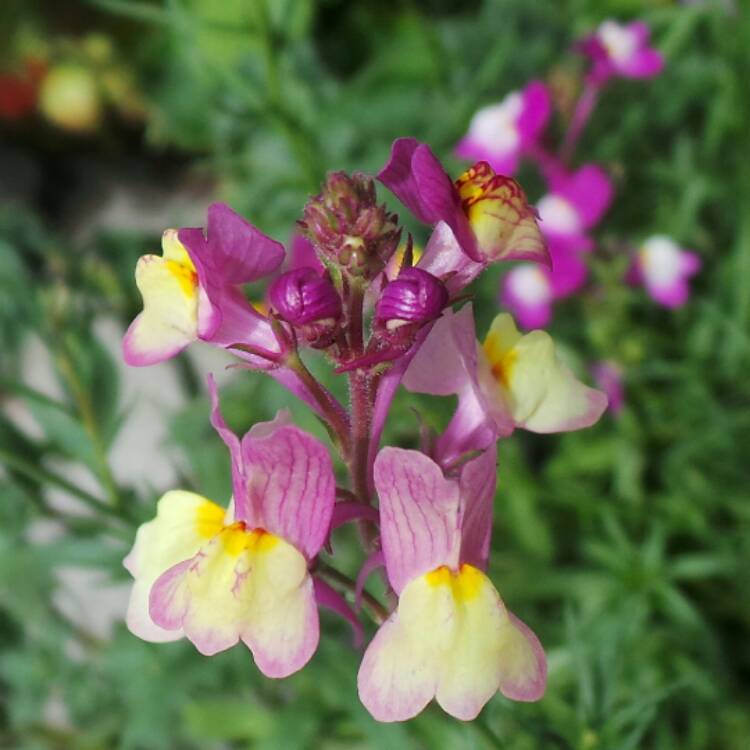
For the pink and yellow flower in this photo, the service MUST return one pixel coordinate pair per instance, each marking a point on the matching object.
(510, 380)
(500, 133)
(487, 213)
(219, 576)
(192, 292)
(451, 637)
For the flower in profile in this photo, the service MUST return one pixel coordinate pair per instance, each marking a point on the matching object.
(192, 291)
(618, 49)
(575, 203)
(500, 133)
(664, 268)
(219, 576)
(451, 637)
(487, 213)
(608, 376)
(511, 380)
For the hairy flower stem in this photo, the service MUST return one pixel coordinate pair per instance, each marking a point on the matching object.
(584, 107)
(336, 420)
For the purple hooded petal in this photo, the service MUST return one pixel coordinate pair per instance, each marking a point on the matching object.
(291, 486)
(240, 252)
(416, 177)
(418, 514)
(302, 254)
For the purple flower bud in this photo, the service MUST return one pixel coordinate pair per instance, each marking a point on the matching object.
(415, 296)
(303, 296)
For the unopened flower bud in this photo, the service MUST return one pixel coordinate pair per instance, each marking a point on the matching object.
(303, 296)
(348, 227)
(416, 296)
(310, 303)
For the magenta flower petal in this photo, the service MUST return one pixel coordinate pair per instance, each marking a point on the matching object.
(238, 250)
(537, 107)
(527, 292)
(477, 483)
(589, 190)
(569, 272)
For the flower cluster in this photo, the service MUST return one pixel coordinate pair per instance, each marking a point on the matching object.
(258, 569)
(577, 197)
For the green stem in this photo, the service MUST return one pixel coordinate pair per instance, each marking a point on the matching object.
(88, 418)
(336, 420)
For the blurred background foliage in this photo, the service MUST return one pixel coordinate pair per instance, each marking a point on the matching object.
(626, 547)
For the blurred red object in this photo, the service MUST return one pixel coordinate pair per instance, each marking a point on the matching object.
(18, 91)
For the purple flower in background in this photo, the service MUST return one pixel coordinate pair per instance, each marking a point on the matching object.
(192, 291)
(575, 203)
(663, 267)
(608, 376)
(526, 291)
(500, 133)
(451, 637)
(618, 49)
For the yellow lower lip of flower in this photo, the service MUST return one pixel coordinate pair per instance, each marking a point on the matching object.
(209, 519)
(185, 276)
(236, 539)
(465, 583)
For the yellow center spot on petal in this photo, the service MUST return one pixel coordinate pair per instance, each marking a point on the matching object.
(501, 360)
(185, 276)
(209, 519)
(236, 539)
(465, 583)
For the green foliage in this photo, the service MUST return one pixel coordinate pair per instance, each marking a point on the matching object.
(625, 546)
